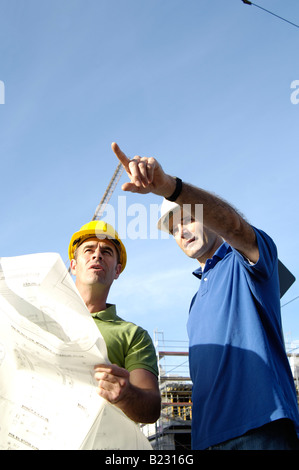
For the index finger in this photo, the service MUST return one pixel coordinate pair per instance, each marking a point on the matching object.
(120, 155)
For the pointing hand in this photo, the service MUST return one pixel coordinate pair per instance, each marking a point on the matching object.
(145, 173)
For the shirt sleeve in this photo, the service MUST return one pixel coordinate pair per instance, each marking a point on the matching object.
(141, 353)
(268, 258)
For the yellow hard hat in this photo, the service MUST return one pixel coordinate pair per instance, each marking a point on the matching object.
(99, 229)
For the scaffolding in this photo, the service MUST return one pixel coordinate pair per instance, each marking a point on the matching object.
(173, 429)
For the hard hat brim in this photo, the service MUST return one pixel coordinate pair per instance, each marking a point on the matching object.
(167, 208)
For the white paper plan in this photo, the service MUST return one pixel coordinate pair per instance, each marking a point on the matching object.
(49, 345)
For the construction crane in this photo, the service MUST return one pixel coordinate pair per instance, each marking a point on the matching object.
(108, 193)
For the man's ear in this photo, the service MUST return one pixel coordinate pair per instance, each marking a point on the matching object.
(118, 270)
(73, 266)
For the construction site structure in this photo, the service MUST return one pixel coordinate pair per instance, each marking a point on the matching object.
(172, 431)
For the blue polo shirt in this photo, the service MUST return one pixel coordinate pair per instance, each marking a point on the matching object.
(240, 371)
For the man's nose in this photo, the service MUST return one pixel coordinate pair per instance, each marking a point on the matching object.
(183, 231)
(97, 254)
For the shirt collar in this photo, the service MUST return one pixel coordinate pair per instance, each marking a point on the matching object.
(210, 263)
(109, 314)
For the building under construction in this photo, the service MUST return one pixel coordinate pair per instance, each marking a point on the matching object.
(173, 429)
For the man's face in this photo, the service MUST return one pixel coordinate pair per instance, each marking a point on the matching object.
(193, 238)
(96, 262)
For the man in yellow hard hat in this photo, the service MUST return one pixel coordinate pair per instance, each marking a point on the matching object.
(98, 257)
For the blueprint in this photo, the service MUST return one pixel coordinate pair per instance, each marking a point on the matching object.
(49, 345)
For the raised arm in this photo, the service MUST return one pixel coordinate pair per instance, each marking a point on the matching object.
(146, 175)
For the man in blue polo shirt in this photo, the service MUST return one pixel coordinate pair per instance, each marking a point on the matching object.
(243, 390)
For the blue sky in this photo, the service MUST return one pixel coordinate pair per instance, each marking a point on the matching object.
(202, 85)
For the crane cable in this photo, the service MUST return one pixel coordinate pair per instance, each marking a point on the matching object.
(271, 13)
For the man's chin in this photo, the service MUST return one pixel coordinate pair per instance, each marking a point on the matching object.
(192, 253)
